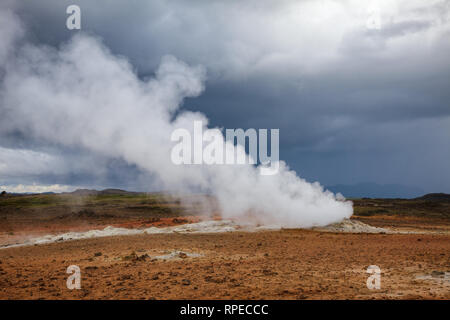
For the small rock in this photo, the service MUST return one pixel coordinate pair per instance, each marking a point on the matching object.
(186, 282)
(182, 255)
(91, 268)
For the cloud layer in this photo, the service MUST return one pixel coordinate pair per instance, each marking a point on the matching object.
(353, 104)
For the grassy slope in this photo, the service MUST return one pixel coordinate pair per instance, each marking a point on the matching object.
(402, 207)
(157, 203)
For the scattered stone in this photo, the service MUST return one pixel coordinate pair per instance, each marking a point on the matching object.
(185, 282)
(91, 268)
(268, 272)
(179, 220)
(215, 280)
(131, 256)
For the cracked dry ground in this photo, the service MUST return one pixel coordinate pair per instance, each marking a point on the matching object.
(286, 264)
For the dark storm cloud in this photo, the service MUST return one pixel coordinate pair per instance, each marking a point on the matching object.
(352, 104)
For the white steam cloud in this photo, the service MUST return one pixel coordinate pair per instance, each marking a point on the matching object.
(83, 96)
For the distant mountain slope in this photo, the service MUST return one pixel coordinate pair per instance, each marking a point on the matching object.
(83, 192)
(435, 197)
(90, 192)
(373, 190)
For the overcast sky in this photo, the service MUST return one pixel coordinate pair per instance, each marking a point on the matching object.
(354, 102)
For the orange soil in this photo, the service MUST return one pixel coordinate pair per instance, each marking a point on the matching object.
(286, 264)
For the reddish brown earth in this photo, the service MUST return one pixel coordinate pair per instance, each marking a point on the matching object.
(286, 264)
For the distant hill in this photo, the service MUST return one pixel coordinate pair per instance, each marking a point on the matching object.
(83, 192)
(78, 192)
(435, 197)
(361, 190)
(116, 191)
(373, 190)
(90, 192)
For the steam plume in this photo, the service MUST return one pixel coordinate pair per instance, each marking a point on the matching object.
(81, 95)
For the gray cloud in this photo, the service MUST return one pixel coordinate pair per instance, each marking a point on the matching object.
(352, 104)
(82, 96)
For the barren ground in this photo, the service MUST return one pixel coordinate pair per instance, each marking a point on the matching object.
(285, 264)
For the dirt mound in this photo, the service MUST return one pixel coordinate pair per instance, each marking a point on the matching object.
(347, 225)
(199, 227)
(352, 226)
